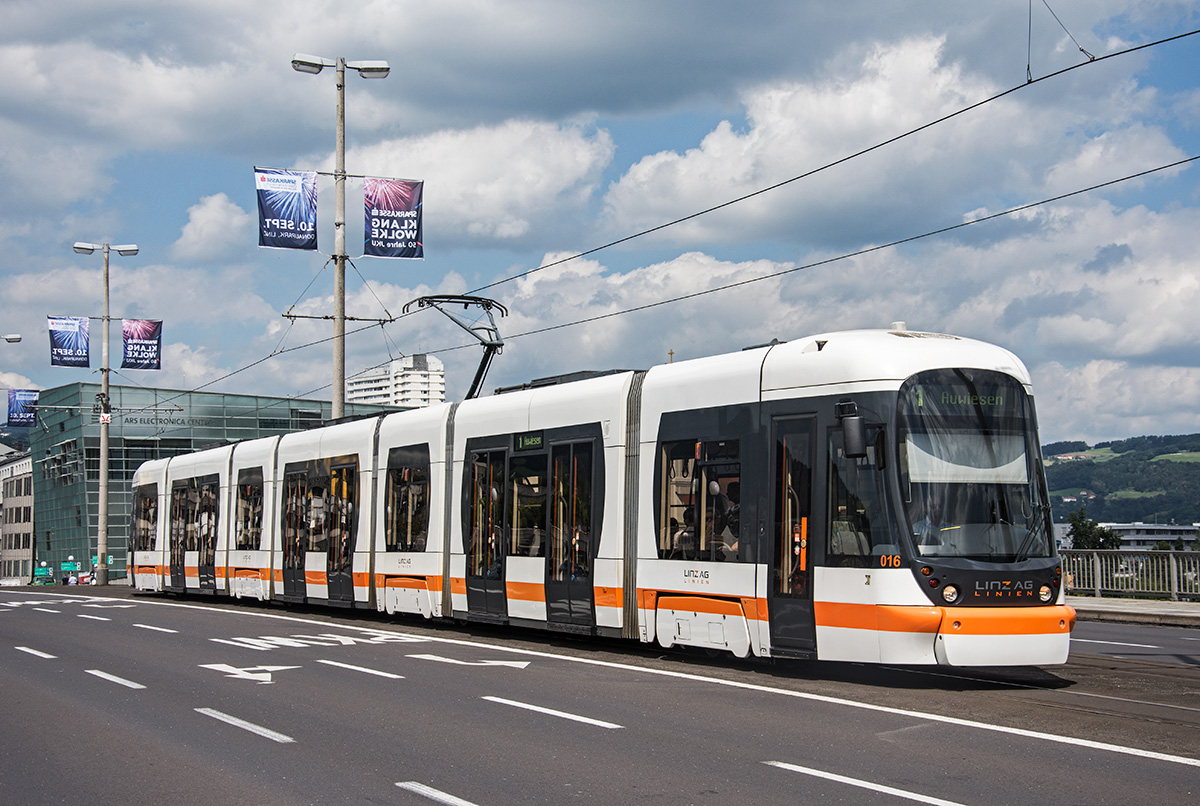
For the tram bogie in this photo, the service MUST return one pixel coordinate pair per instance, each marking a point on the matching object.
(871, 496)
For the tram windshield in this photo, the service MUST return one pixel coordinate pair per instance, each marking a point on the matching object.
(971, 481)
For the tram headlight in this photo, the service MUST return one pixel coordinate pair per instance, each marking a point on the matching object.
(950, 593)
(1045, 592)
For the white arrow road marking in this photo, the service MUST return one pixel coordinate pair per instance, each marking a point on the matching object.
(516, 664)
(259, 674)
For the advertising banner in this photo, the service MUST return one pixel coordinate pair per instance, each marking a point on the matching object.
(22, 407)
(143, 343)
(287, 208)
(392, 224)
(68, 341)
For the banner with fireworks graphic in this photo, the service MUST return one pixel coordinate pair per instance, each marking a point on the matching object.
(22, 407)
(143, 343)
(287, 208)
(392, 225)
(68, 341)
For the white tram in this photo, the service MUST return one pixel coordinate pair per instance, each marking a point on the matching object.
(872, 496)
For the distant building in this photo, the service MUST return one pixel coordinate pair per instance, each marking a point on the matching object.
(146, 424)
(16, 519)
(411, 382)
(1144, 536)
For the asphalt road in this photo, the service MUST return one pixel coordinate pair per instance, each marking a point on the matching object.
(108, 697)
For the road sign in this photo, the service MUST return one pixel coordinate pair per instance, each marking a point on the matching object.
(70, 566)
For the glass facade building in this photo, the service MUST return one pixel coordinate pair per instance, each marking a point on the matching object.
(146, 424)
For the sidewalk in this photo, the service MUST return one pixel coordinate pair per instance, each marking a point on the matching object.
(1137, 611)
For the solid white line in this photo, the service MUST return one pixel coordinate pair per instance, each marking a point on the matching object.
(433, 794)
(782, 692)
(156, 629)
(842, 779)
(362, 669)
(94, 618)
(36, 652)
(550, 711)
(1112, 643)
(46, 610)
(112, 678)
(266, 733)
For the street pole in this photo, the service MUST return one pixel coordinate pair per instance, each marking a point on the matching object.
(101, 569)
(304, 63)
(338, 403)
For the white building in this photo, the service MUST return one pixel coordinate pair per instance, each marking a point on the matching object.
(16, 519)
(414, 381)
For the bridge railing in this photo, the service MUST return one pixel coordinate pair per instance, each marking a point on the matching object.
(1173, 575)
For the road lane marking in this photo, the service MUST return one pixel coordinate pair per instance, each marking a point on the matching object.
(266, 733)
(46, 610)
(36, 653)
(516, 664)
(112, 678)
(156, 629)
(433, 794)
(1112, 643)
(550, 711)
(842, 779)
(1073, 741)
(362, 669)
(94, 618)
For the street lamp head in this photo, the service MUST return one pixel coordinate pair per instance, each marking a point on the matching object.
(86, 248)
(370, 69)
(127, 249)
(304, 63)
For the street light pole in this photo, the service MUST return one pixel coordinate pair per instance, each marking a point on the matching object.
(101, 570)
(304, 63)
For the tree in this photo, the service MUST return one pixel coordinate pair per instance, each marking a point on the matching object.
(1087, 534)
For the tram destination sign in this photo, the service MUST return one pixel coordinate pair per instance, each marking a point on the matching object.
(956, 397)
(529, 441)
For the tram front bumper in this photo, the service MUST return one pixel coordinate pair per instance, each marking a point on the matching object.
(1004, 636)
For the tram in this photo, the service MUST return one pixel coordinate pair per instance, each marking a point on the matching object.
(873, 496)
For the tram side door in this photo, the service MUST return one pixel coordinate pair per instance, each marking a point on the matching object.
(486, 530)
(569, 592)
(790, 599)
(178, 532)
(339, 556)
(295, 533)
(206, 531)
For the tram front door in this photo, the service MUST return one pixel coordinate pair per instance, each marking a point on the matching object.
(569, 592)
(790, 598)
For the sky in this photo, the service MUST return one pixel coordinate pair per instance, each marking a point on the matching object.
(543, 130)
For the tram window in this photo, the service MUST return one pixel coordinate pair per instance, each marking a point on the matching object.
(145, 522)
(485, 550)
(527, 478)
(571, 515)
(857, 521)
(406, 526)
(700, 501)
(248, 519)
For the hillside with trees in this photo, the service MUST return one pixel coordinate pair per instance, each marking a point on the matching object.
(1154, 479)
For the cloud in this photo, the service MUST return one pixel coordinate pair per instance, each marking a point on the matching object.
(216, 226)
(498, 183)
